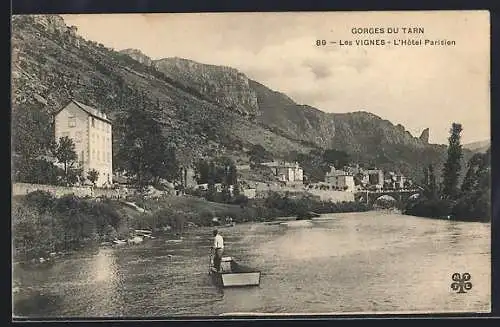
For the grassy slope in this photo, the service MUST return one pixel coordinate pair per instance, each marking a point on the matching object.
(198, 210)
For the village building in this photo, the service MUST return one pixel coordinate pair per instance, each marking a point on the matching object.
(361, 178)
(396, 181)
(376, 178)
(218, 187)
(250, 193)
(340, 179)
(286, 172)
(91, 131)
(400, 181)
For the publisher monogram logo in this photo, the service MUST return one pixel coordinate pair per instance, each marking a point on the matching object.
(461, 282)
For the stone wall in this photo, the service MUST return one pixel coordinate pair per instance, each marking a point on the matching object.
(57, 191)
(333, 196)
(111, 193)
(80, 191)
(263, 190)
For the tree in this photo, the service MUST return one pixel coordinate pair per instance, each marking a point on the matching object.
(314, 165)
(432, 187)
(451, 168)
(258, 154)
(339, 159)
(425, 180)
(93, 176)
(31, 132)
(236, 190)
(232, 175)
(202, 170)
(75, 174)
(145, 151)
(474, 202)
(226, 194)
(64, 151)
(211, 182)
(163, 163)
(477, 176)
(31, 138)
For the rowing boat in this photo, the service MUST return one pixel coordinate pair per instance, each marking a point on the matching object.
(233, 274)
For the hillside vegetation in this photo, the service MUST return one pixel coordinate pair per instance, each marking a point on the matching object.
(455, 198)
(205, 110)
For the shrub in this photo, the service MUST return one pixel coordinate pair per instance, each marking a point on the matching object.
(473, 207)
(40, 199)
(434, 208)
(240, 199)
(42, 224)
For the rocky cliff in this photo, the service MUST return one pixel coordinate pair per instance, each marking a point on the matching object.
(365, 136)
(51, 23)
(424, 137)
(226, 86)
(139, 56)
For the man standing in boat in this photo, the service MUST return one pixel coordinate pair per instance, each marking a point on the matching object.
(218, 249)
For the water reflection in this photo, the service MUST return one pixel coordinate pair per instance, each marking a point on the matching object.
(104, 268)
(105, 281)
(453, 232)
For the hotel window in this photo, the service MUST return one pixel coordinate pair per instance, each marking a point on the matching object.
(93, 153)
(109, 157)
(71, 121)
(98, 155)
(93, 121)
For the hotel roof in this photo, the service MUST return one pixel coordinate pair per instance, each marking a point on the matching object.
(89, 110)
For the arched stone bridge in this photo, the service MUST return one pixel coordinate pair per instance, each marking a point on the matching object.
(401, 197)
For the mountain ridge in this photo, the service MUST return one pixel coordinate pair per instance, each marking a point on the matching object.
(157, 63)
(207, 110)
(478, 146)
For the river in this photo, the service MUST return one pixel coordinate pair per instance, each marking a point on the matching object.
(368, 262)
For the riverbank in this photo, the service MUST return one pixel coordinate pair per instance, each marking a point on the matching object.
(474, 207)
(45, 226)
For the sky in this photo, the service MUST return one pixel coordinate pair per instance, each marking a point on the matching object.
(416, 86)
